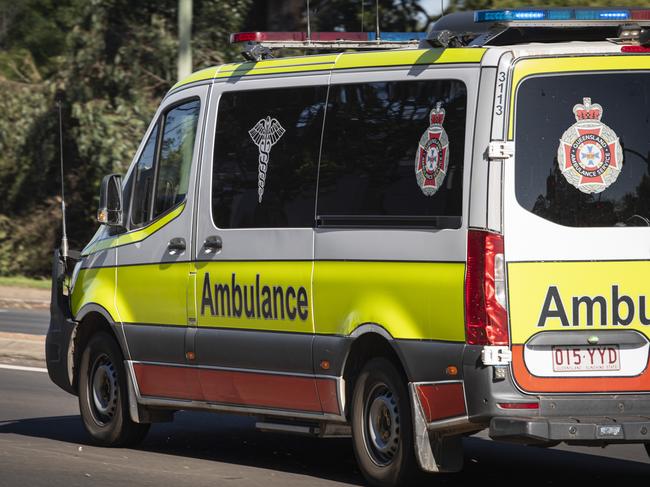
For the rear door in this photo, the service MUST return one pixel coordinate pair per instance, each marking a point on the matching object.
(577, 224)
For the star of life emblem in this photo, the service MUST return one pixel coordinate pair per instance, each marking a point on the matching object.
(590, 154)
(265, 134)
(432, 157)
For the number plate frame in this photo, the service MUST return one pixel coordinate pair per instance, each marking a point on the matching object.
(586, 358)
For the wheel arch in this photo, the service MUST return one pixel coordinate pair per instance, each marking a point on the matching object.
(370, 340)
(93, 318)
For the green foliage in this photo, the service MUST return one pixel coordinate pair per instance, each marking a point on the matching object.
(114, 61)
(35, 31)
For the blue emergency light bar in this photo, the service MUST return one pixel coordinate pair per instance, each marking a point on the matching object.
(398, 36)
(562, 15)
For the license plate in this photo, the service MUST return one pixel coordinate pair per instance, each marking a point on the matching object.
(586, 358)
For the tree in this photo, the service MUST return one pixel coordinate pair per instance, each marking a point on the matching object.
(114, 59)
(343, 15)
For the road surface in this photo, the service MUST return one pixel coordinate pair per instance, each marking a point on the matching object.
(42, 443)
(32, 322)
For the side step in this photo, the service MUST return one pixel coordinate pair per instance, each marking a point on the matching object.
(321, 430)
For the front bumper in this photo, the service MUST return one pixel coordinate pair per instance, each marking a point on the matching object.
(58, 342)
(601, 429)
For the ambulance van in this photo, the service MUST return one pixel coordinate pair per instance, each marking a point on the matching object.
(406, 244)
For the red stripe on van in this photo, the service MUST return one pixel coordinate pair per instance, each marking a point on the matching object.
(168, 382)
(329, 398)
(251, 389)
(531, 383)
(442, 401)
(261, 390)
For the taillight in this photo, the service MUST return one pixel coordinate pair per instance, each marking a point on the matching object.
(518, 405)
(486, 320)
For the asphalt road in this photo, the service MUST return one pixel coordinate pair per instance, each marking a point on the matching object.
(42, 443)
(32, 322)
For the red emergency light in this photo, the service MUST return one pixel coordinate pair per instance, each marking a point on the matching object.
(635, 50)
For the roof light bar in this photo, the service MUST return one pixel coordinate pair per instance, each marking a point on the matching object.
(324, 40)
(575, 15)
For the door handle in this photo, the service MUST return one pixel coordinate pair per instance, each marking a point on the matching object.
(176, 246)
(212, 245)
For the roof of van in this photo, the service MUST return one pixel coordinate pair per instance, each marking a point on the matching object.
(347, 60)
(487, 56)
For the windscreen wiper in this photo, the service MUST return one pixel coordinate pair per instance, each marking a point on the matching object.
(635, 217)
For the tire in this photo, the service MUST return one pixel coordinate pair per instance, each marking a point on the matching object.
(384, 447)
(103, 396)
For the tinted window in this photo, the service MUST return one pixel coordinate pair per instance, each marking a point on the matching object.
(143, 177)
(376, 135)
(266, 157)
(544, 114)
(177, 148)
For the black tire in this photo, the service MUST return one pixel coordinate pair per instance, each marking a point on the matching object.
(103, 396)
(384, 447)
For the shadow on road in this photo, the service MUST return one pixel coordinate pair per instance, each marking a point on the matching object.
(234, 440)
(219, 438)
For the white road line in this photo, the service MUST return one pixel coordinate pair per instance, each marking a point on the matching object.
(21, 367)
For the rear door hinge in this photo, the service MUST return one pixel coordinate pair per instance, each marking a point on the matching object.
(501, 149)
(496, 355)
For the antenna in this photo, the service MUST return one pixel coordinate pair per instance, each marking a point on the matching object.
(64, 237)
(308, 23)
(362, 12)
(377, 26)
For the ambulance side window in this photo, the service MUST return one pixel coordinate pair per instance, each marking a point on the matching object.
(142, 179)
(375, 136)
(266, 157)
(160, 178)
(176, 150)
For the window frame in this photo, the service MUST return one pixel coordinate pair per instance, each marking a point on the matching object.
(437, 222)
(218, 114)
(515, 123)
(159, 122)
(398, 222)
(130, 225)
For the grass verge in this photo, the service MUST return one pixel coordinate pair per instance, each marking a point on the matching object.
(22, 281)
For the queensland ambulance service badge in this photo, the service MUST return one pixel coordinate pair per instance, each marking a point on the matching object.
(590, 155)
(432, 157)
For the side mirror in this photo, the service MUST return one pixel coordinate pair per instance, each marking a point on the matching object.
(110, 201)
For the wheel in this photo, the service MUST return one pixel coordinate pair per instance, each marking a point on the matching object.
(103, 396)
(382, 426)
